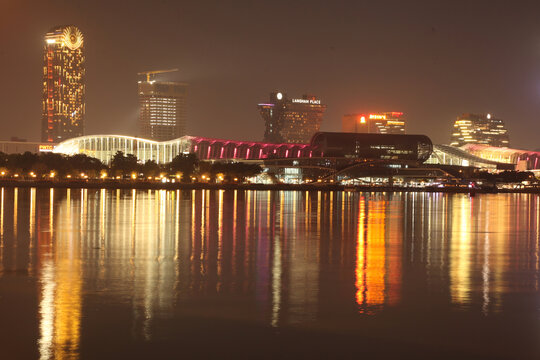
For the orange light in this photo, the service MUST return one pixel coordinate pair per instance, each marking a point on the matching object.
(363, 120)
(46, 148)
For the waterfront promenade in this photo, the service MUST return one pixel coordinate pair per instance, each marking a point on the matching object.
(147, 184)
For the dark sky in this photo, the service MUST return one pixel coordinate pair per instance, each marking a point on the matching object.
(430, 59)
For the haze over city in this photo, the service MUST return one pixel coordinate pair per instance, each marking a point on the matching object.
(431, 60)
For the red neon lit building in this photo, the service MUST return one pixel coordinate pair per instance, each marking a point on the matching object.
(391, 122)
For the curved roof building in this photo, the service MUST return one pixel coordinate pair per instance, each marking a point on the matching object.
(383, 147)
(527, 160)
(451, 155)
(103, 147)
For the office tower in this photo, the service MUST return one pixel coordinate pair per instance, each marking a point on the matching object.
(63, 105)
(162, 108)
(376, 123)
(479, 129)
(291, 120)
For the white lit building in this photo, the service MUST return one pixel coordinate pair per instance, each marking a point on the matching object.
(479, 129)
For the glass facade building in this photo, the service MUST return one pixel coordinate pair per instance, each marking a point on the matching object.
(387, 147)
(63, 105)
(291, 120)
(479, 129)
(162, 113)
(391, 122)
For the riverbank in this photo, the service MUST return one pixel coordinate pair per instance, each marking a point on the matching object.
(134, 184)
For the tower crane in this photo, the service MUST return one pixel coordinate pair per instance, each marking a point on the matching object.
(153, 72)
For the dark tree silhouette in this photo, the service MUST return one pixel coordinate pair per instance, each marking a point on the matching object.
(124, 164)
(185, 164)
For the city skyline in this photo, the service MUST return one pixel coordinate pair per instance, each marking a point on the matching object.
(424, 81)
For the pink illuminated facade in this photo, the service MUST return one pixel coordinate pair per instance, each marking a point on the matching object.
(210, 149)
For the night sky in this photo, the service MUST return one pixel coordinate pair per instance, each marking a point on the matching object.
(430, 59)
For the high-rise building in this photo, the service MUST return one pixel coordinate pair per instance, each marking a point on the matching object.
(291, 120)
(479, 129)
(63, 105)
(376, 123)
(162, 109)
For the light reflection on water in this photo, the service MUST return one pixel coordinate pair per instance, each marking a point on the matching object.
(280, 259)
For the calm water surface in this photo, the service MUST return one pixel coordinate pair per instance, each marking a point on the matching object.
(266, 274)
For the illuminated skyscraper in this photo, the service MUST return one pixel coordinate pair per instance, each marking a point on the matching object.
(291, 120)
(63, 105)
(381, 123)
(479, 129)
(162, 109)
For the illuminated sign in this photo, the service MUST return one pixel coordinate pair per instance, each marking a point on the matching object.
(46, 148)
(363, 120)
(306, 101)
(377, 117)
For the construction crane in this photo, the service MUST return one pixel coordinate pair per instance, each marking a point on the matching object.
(153, 72)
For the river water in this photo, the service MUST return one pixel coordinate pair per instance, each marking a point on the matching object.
(89, 274)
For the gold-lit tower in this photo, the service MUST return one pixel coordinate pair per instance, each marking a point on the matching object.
(63, 105)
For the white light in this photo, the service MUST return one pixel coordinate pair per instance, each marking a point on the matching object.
(489, 116)
(51, 41)
(279, 96)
